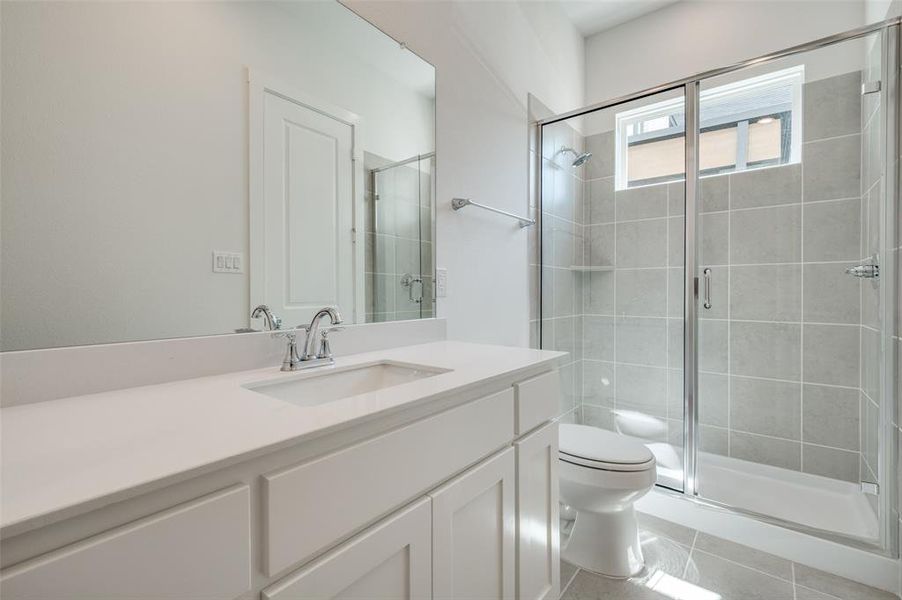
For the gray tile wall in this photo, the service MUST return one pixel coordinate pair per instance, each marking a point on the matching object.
(398, 240)
(784, 351)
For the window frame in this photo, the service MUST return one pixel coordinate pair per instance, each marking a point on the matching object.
(794, 76)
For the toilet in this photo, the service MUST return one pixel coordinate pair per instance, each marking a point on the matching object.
(602, 474)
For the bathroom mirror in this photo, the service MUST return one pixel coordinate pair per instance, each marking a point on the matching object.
(168, 166)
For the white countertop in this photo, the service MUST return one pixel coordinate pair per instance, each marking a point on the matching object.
(63, 454)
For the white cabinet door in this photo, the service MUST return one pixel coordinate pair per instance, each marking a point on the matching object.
(473, 533)
(390, 561)
(538, 541)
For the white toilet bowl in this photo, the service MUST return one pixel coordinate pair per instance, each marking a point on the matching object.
(601, 475)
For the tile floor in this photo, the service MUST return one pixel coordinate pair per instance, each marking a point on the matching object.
(683, 564)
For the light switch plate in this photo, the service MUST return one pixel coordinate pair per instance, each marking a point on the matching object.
(228, 262)
(441, 282)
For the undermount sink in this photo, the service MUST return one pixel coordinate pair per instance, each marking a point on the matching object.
(312, 389)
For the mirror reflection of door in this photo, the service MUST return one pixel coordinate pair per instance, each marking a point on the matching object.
(302, 219)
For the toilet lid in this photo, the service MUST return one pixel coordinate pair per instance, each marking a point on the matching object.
(602, 446)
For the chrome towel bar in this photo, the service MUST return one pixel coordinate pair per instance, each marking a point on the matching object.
(459, 203)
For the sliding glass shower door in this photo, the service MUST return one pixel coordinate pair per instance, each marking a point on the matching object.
(767, 388)
(791, 193)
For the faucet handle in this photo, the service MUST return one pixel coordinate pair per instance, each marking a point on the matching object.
(325, 351)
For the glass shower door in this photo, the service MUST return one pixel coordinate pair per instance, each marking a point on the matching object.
(790, 198)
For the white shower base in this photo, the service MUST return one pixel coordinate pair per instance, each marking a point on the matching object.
(810, 500)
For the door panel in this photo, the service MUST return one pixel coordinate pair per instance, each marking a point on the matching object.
(473, 532)
(390, 561)
(308, 178)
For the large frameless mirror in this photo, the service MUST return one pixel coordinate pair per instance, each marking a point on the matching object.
(169, 166)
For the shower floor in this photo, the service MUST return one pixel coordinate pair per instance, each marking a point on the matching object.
(809, 500)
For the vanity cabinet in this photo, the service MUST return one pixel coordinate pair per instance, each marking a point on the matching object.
(473, 532)
(458, 503)
(392, 560)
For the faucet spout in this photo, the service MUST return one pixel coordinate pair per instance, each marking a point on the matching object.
(271, 321)
(312, 331)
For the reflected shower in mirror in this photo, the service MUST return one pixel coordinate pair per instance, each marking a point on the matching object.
(168, 167)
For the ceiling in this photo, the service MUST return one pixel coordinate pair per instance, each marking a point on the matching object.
(593, 16)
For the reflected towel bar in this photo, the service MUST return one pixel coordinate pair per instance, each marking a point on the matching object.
(459, 203)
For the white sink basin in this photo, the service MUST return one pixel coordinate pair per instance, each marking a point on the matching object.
(318, 387)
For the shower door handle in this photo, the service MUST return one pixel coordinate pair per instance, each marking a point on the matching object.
(707, 273)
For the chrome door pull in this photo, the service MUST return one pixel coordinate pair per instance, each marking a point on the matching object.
(707, 273)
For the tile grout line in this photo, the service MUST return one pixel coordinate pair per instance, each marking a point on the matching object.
(689, 558)
(792, 570)
(570, 581)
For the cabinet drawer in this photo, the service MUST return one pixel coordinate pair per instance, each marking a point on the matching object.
(390, 560)
(538, 400)
(312, 506)
(197, 550)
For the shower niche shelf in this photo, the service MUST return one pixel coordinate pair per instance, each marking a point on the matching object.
(591, 268)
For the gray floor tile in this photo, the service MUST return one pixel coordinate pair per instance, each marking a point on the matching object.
(567, 572)
(803, 593)
(731, 581)
(762, 561)
(837, 586)
(678, 533)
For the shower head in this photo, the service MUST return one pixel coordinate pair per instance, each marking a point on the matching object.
(580, 159)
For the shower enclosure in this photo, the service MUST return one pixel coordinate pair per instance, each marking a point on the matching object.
(400, 232)
(721, 269)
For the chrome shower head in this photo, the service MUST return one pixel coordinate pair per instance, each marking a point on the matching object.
(580, 159)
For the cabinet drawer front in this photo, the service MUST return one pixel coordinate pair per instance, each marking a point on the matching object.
(312, 506)
(390, 560)
(538, 400)
(197, 550)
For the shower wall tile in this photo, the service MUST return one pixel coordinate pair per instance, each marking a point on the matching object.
(766, 293)
(597, 416)
(641, 341)
(407, 256)
(598, 383)
(832, 168)
(714, 440)
(766, 407)
(601, 245)
(598, 293)
(830, 462)
(714, 248)
(713, 194)
(833, 230)
(713, 399)
(675, 342)
(830, 416)
(601, 201)
(766, 187)
(601, 146)
(832, 106)
(598, 338)
(766, 450)
(765, 350)
(831, 296)
(675, 287)
(870, 362)
(640, 292)
(644, 202)
(780, 226)
(641, 244)
(675, 243)
(713, 346)
(563, 340)
(830, 354)
(642, 389)
(562, 294)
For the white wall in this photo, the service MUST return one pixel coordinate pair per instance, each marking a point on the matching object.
(124, 153)
(690, 37)
(488, 56)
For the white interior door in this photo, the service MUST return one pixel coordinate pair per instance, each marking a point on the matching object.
(303, 247)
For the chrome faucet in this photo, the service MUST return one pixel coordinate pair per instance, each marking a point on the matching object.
(295, 360)
(270, 321)
(313, 330)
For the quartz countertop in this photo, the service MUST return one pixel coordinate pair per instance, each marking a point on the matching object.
(68, 456)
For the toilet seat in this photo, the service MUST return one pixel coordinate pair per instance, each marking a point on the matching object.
(597, 448)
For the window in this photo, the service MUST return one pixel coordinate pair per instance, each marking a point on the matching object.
(747, 124)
